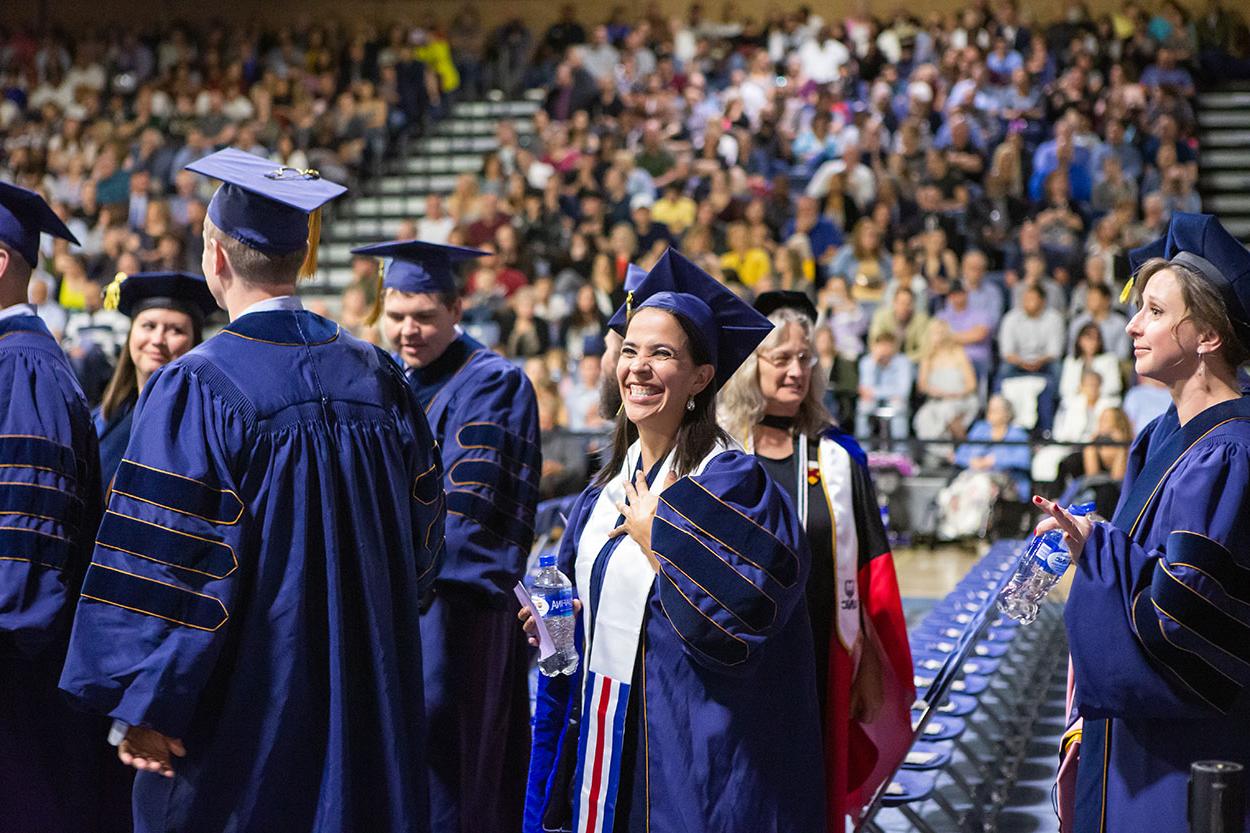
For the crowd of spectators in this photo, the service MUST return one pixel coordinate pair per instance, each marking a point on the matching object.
(956, 191)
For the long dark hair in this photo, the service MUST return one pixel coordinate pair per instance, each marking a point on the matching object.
(697, 435)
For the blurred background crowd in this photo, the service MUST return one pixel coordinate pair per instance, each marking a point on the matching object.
(957, 192)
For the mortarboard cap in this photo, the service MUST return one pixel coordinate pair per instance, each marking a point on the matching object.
(415, 266)
(1201, 243)
(633, 277)
(183, 291)
(769, 302)
(594, 345)
(271, 208)
(727, 327)
(24, 215)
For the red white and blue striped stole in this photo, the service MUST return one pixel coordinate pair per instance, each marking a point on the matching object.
(620, 580)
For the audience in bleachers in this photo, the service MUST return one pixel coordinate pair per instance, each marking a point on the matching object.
(976, 176)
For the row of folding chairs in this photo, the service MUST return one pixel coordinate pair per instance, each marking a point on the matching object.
(981, 680)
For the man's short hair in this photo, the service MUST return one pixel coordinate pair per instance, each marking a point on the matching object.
(253, 265)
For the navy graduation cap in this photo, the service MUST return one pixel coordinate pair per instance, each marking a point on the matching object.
(769, 302)
(271, 208)
(182, 291)
(416, 267)
(728, 327)
(1199, 242)
(24, 215)
(633, 276)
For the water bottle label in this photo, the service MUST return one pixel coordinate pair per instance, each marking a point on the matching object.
(1057, 562)
(559, 603)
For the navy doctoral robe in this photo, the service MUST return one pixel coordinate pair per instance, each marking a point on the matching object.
(722, 733)
(1158, 623)
(256, 583)
(52, 758)
(114, 437)
(482, 411)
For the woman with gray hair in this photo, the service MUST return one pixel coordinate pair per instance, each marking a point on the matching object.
(773, 406)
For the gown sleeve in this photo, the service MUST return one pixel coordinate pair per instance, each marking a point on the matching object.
(49, 501)
(493, 459)
(554, 699)
(1166, 632)
(157, 598)
(733, 560)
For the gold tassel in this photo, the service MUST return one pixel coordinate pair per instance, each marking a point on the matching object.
(309, 267)
(113, 292)
(376, 312)
(1126, 291)
(629, 304)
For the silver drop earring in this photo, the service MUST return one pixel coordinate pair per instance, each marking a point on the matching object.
(690, 404)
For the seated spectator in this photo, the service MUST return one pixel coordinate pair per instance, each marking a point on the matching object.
(586, 320)
(864, 263)
(937, 264)
(1111, 324)
(1117, 144)
(885, 382)
(674, 209)
(39, 293)
(1062, 154)
(979, 453)
(1035, 275)
(970, 327)
(822, 235)
(1059, 220)
(522, 333)
(581, 390)
(1112, 185)
(982, 294)
(1030, 342)
(1076, 422)
(990, 473)
(1089, 355)
(901, 316)
(1165, 71)
(948, 383)
(840, 313)
(1109, 460)
(436, 225)
(749, 263)
(490, 218)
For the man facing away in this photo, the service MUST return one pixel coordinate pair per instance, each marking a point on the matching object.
(484, 414)
(250, 616)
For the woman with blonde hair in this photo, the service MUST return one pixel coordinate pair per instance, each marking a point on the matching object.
(948, 382)
(773, 406)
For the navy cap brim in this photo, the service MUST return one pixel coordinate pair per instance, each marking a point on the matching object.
(24, 215)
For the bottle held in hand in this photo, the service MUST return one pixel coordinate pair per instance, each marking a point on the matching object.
(553, 603)
(1044, 561)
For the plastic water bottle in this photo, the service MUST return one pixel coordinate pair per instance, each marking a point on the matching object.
(1044, 561)
(553, 602)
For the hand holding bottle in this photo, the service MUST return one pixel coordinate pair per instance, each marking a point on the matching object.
(1075, 528)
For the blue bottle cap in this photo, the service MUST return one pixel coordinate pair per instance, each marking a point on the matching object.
(1082, 508)
(547, 559)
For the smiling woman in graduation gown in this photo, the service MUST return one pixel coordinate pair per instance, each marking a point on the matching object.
(1158, 618)
(167, 311)
(694, 707)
